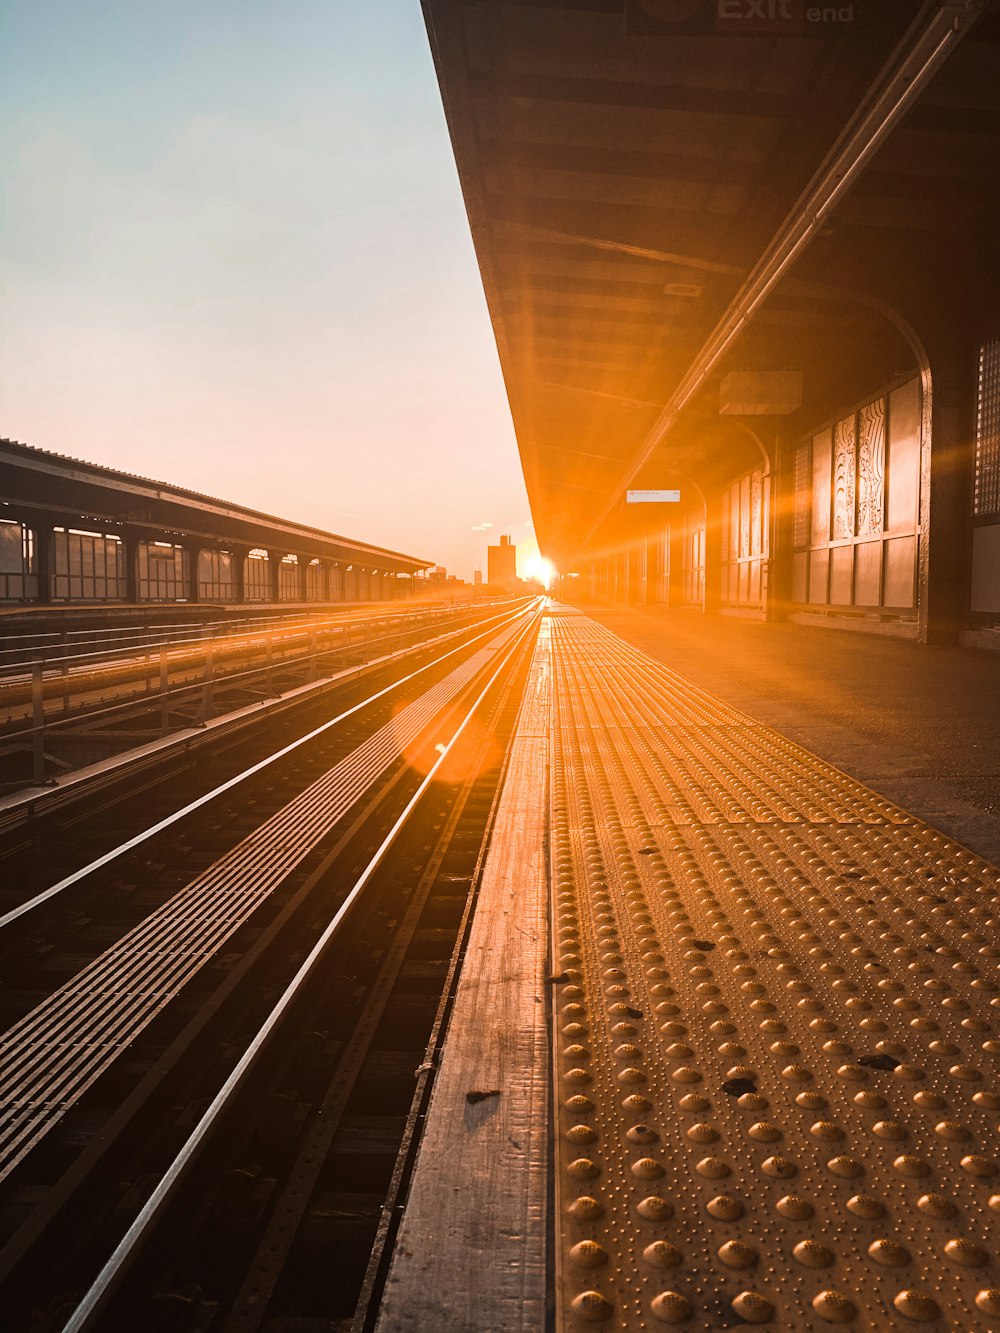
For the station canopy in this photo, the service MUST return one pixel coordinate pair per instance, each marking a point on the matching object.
(668, 194)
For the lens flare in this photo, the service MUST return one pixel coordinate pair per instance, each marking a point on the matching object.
(544, 571)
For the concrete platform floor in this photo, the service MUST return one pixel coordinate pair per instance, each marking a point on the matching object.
(919, 725)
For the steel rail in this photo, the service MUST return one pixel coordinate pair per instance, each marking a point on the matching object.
(109, 1276)
(226, 630)
(23, 909)
(144, 638)
(59, 1049)
(232, 636)
(222, 678)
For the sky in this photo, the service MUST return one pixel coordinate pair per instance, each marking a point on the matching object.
(235, 257)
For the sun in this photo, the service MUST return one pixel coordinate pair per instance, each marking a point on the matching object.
(538, 567)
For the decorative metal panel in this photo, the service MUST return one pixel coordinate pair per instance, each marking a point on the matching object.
(800, 521)
(755, 513)
(844, 468)
(871, 468)
(987, 492)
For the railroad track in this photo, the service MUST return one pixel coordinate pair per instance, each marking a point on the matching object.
(187, 993)
(102, 708)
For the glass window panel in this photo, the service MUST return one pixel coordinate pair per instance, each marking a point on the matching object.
(11, 548)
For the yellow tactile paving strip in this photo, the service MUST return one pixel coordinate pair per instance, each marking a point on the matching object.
(777, 1022)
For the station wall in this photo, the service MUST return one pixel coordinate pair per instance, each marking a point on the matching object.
(856, 508)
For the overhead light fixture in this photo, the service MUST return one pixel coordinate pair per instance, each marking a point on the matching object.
(683, 289)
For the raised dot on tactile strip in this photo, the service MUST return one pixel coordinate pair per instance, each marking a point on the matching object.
(891, 1130)
(826, 1130)
(585, 1208)
(641, 1134)
(655, 1209)
(863, 1205)
(889, 1253)
(753, 1308)
(916, 1305)
(583, 1169)
(913, 1167)
(966, 1253)
(810, 1101)
(660, 1254)
(936, 1205)
(779, 1167)
(725, 1208)
(670, 1307)
(702, 1133)
(764, 1132)
(834, 1307)
(588, 1254)
(592, 1307)
(988, 1300)
(981, 1167)
(631, 1075)
(692, 1102)
(952, 1130)
(737, 1254)
(647, 1168)
(846, 1167)
(811, 1254)
(795, 1208)
(581, 1134)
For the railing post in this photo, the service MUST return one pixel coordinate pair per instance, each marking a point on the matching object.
(164, 692)
(64, 670)
(37, 722)
(208, 689)
(269, 683)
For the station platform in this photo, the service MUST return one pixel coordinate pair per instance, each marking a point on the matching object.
(765, 1008)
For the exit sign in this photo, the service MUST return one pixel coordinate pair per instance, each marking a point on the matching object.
(652, 497)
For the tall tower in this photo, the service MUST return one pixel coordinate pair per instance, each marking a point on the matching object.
(501, 565)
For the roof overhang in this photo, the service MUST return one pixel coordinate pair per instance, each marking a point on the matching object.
(660, 196)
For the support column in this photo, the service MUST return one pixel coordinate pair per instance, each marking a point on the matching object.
(193, 552)
(239, 556)
(713, 552)
(781, 538)
(43, 562)
(947, 466)
(274, 559)
(130, 542)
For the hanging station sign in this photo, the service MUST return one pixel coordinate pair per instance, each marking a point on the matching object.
(652, 497)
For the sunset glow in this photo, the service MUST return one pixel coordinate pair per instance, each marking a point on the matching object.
(538, 567)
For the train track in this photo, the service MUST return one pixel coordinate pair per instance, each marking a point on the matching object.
(115, 1074)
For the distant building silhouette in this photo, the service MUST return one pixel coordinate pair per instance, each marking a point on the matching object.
(501, 565)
